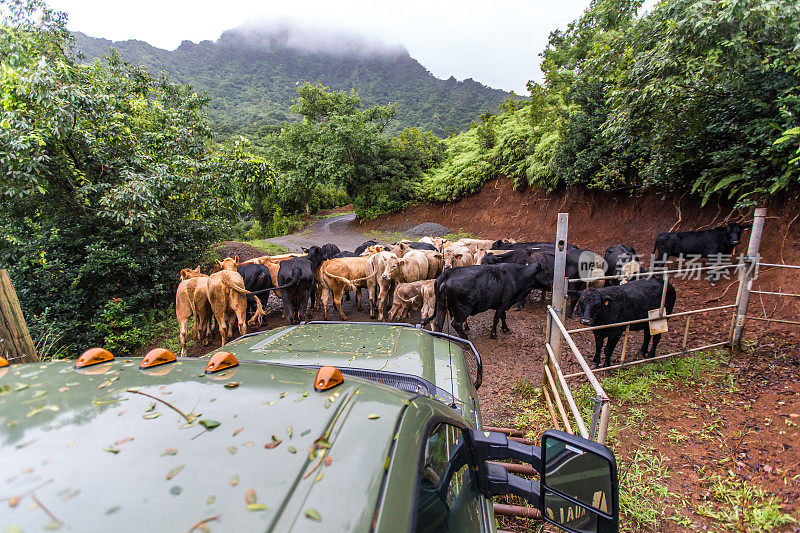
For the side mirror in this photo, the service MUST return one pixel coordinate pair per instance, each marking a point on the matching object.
(579, 488)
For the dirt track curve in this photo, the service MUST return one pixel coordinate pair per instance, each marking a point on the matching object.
(337, 230)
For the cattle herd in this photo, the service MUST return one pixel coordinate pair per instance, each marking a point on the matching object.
(440, 278)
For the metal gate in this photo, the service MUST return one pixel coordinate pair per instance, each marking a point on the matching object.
(555, 388)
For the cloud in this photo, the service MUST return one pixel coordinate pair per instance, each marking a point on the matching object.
(291, 34)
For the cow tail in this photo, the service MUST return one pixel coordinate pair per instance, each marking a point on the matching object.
(260, 313)
(236, 287)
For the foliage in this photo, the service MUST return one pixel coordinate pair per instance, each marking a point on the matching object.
(108, 184)
(690, 96)
(252, 88)
(339, 145)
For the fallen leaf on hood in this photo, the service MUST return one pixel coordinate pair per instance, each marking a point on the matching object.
(231, 384)
(250, 496)
(175, 471)
(312, 514)
(256, 507)
(234, 480)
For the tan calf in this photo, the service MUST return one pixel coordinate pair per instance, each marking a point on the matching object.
(412, 296)
(335, 277)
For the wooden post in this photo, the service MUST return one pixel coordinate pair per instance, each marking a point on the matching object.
(746, 278)
(559, 285)
(16, 344)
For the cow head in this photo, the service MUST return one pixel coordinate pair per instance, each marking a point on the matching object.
(392, 268)
(375, 249)
(733, 232)
(189, 273)
(453, 256)
(400, 248)
(229, 263)
(590, 306)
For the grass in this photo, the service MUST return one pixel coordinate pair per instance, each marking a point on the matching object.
(269, 248)
(735, 505)
(461, 234)
(643, 490)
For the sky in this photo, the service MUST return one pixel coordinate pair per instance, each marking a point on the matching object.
(495, 43)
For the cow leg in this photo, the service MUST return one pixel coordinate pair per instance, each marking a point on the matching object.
(656, 338)
(504, 327)
(493, 333)
(184, 325)
(373, 297)
(612, 343)
(241, 316)
(337, 302)
(458, 327)
(288, 311)
(646, 341)
(598, 348)
(359, 297)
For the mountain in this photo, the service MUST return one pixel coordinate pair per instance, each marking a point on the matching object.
(252, 75)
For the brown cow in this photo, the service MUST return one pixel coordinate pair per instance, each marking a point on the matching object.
(412, 296)
(226, 294)
(458, 255)
(335, 277)
(184, 304)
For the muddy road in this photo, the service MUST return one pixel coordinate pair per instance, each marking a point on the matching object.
(338, 230)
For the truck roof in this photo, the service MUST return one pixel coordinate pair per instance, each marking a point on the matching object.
(105, 447)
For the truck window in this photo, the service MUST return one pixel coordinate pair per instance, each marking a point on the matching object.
(447, 499)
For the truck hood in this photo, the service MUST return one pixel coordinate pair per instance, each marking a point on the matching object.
(90, 450)
(379, 347)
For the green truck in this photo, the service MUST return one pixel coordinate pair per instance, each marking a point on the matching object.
(316, 427)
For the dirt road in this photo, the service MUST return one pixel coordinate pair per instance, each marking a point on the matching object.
(337, 230)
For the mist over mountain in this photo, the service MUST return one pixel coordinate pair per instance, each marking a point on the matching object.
(252, 73)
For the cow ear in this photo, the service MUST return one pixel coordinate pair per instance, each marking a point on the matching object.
(459, 256)
(236, 258)
(305, 250)
(606, 300)
(219, 263)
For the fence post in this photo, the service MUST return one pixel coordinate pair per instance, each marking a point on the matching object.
(559, 285)
(16, 344)
(746, 278)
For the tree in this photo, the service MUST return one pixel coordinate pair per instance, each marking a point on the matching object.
(108, 181)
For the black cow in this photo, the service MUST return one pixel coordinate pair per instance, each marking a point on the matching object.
(360, 250)
(631, 301)
(330, 250)
(501, 245)
(256, 278)
(704, 243)
(519, 256)
(296, 279)
(616, 257)
(469, 290)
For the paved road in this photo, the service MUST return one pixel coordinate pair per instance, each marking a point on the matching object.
(336, 230)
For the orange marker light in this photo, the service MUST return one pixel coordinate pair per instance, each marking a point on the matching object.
(93, 356)
(3, 362)
(327, 378)
(156, 357)
(221, 361)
